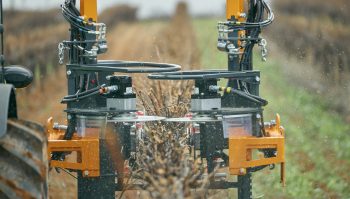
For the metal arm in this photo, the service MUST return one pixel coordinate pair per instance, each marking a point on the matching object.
(88, 9)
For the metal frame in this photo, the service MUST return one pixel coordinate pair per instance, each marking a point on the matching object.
(96, 168)
(95, 165)
(8, 107)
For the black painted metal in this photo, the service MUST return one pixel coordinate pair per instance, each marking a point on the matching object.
(212, 143)
(223, 185)
(83, 74)
(8, 108)
(102, 187)
(233, 60)
(245, 186)
(123, 131)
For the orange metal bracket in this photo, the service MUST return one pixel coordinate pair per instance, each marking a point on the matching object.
(88, 158)
(88, 9)
(234, 8)
(241, 148)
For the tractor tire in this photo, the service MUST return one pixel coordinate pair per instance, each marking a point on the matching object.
(23, 161)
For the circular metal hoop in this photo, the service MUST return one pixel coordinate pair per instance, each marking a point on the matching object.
(133, 119)
(198, 74)
(126, 67)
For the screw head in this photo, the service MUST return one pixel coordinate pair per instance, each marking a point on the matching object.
(243, 15)
(69, 72)
(257, 79)
(242, 171)
(86, 173)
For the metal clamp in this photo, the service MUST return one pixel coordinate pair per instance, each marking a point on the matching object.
(263, 44)
(61, 49)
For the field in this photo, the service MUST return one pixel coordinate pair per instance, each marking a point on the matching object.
(318, 142)
(316, 33)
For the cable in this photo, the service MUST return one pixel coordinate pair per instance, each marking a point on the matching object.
(67, 172)
(79, 98)
(247, 25)
(248, 96)
(83, 95)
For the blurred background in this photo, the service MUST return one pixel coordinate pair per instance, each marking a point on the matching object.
(146, 9)
(306, 77)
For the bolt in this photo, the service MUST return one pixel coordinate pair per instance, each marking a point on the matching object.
(69, 117)
(242, 171)
(273, 122)
(257, 79)
(243, 15)
(69, 72)
(258, 116)
(86, 173)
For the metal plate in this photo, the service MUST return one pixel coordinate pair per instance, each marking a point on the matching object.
(136, 119)
(5, 90)
(194, 119)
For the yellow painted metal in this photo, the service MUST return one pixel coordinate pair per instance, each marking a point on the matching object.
(87, 160)
(234, 8)
(88, 9)
(87, 148)
(241, 150)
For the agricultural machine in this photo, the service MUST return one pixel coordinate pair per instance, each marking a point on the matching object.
(228, 121)
(229, 125)
(23, 152)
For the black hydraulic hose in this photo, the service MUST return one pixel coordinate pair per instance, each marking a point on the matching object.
(257, 168)
(264, 23)
(79, 98)
(255, 15)
(84, 93)
(258, 98)
(126, 67)
(75, 24)
(250, 97)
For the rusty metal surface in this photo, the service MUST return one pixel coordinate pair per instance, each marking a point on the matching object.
(23, 161)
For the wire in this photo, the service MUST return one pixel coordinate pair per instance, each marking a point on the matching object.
(255, 24)
(248, 96)
(79, 98)
(83, 95)
(68, 172)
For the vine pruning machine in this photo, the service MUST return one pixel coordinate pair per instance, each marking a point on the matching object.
(229, 119)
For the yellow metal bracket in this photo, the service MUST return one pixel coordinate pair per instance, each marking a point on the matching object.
(241, 150)
(88, 9)
(234, 8)
(87, 159)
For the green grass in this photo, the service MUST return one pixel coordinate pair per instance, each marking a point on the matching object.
(318, 140)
